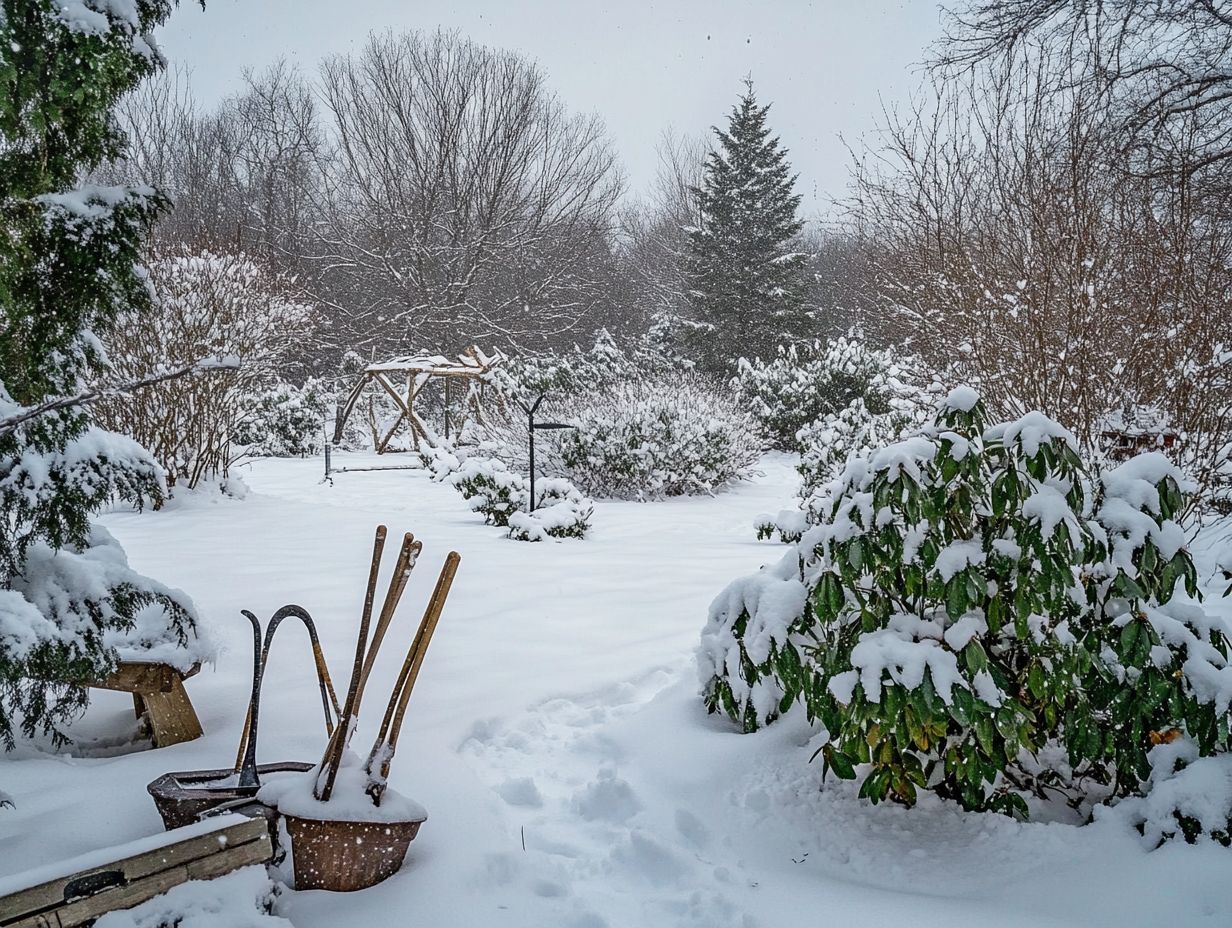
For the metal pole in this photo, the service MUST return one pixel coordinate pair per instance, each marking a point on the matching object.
(531, 412)
(447, 379)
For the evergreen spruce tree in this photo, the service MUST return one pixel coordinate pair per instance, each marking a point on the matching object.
(747, 282)
(69, 262)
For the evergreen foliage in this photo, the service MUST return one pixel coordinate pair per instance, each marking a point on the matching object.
(746, 280)
(979, 615)
(68, 266)
(659, 436)
(804, 383)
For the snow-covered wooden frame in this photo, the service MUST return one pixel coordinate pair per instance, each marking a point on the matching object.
(472, 366)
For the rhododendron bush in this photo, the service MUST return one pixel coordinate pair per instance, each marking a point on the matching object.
(978, 614)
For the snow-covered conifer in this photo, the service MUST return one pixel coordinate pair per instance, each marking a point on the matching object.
(745, 275)
(69, 264)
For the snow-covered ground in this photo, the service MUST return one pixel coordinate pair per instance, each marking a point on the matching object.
(571, 775)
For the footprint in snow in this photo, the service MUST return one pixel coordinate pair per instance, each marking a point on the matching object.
(608, 798)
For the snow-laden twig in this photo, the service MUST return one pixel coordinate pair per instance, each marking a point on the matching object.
(105, 391)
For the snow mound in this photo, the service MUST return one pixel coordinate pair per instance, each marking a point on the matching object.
(349, 803)
(242, 899)
(1189, 797)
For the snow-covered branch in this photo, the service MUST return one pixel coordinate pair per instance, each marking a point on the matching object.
(104, 391)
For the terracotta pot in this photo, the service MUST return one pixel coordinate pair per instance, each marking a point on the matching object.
(345, 856)
(183, 797)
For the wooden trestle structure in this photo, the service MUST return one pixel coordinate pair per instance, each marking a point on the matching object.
(405, 378)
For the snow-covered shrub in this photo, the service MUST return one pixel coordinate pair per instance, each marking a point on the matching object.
(971, 599)
(564, 379)
(640, 430)
(805, 383)
(826, 444)
(561, 512)
(659, 436)
(1188, 797)
(490, 488)
(206, 304)
(790, 525)
(441, 458)
(567, 373)
(850, 399)
(502, 497)
(505, 435)
(284, 420)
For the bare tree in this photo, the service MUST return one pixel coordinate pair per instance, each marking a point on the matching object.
(1014, 245)
(466, 202)
(653, 231)
(1164, 67)
(243, 175)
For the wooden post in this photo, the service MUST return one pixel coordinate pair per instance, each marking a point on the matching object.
(158, 694)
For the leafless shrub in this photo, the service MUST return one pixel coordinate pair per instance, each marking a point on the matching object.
(207, 304)
(1016, 246)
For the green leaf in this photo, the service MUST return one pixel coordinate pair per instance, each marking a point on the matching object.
(995, 615)
(842, 765)
(974, 656)
(956, 598)
(1129, 640)
(1035, 681)
(985, 734)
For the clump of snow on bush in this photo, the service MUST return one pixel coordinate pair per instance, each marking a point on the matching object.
(562, 512)
(1189, 797)
(789, 525)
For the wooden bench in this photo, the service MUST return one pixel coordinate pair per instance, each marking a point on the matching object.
(77, 891)
(158, 695)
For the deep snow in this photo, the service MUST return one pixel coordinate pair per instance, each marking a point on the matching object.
(571, 775)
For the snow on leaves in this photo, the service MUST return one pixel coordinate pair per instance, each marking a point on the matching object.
(976, 597)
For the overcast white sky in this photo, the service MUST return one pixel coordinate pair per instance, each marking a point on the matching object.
(826, 65)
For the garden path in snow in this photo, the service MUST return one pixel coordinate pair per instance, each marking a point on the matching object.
(558, 707)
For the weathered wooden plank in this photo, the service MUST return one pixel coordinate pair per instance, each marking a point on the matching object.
(84, 911)
(243, 855)
(139, 891)
(139, 677)
(144, 677)
(233, 838)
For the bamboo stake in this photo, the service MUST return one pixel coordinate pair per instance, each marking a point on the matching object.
(407, 557)
(332, 759)
(387, 739)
